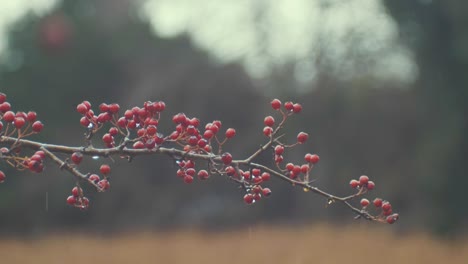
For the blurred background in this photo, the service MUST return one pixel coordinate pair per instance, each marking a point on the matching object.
(383, 84)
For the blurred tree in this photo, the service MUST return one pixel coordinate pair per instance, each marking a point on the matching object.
(436, 30)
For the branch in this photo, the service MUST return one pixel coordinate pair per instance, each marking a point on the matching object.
(186, 145)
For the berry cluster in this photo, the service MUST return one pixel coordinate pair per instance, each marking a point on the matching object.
(136, 132)
(22, 123)
(77, 199)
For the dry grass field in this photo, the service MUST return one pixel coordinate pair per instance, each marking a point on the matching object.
(317, 244)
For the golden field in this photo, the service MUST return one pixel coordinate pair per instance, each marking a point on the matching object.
(316, 244)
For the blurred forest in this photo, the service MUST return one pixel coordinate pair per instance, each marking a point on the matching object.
(408, 137)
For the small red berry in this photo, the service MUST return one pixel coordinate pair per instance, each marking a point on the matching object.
(76, 191)
(84, 121)
(87, 104)
(9, 116)
(354, 184)
(364, 202)
(314, 159)
(5, 107)
(304, 168)
(230, 171)
(230, 133)
(392, 218)
(386, 206)
(370, 185)
(40, 153)
(248, 198)
(279, 150)
(107, 138)
(31, 117)
(151, 130)
(2, 98)
(208, 134)
(114, 108)
(256, 172)
(278, 158)
(103, 107)
(37, 126)
(203, 175)
(226, 158)
(138, 145)
(77, 157)
(71, 200)
(266, 192)
(289, 106)
(266, 176)
(19, 122)
(81, 108)
(105, 169)
(363, 180)
(104, 184)
(276, 104)
(289, 166)
(94, 178)
(267, 131)
(377, 202)
(302, 137)
(297, 108)
(269, 121)
(2, 177)
(188, 179)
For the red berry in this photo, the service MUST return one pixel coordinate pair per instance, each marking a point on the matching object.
(203, 175)
(289, 166)
(266, 176)
(289, 106)
(297, 108)
(266, 192)
(114, 108)
(76, 191)
(2, 98)
(190, 171)
(87, 104)
(230, 132)
(71, 200)
(31, 117)
(302, 137)
(103, 107)
(77, 157)
(104, 184)
(105, 169)
(354, 184)
(278, 158)
(107, 138)
(94, 178)
(2, 176)
(363, 180)
(267, 131)
(230, 171)
(9, 116)
(5, 107)
(386, 206)
(208, 134)
(151, 130)
(269, 121)
(1, 125)
(138, 145)
(40, 153)
(377, 202)
(364, 202)
(256, 172)
(217, 123)
(84, 121)
(113, 131)
(312, 158)
(304, 168)
(226, 158)
(37, 126)
(392, 218)
(256, 189)
(370, 185)
(248, 198)
(188, 179)
(276, 104)
(19, 122)
(81, 108)
(279, 150)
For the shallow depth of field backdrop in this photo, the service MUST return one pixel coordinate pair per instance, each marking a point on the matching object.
(383, 84)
